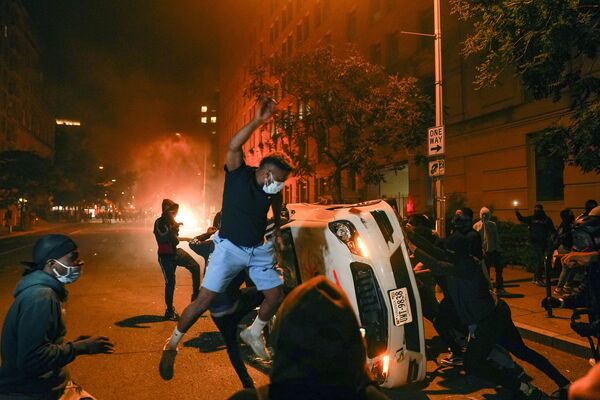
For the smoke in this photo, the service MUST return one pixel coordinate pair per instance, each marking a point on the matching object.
(130, 71)
(176, 167)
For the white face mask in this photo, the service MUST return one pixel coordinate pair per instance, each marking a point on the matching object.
(73, 273)
(274, 187)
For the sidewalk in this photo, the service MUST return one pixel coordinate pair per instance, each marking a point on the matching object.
(532, 320)
(40, 226)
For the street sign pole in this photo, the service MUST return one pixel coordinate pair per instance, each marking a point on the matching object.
(440, 199)
(438, 179)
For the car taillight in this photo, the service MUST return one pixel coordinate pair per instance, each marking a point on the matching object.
(347, 234)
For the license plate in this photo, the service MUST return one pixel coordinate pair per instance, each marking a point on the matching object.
(400, 306)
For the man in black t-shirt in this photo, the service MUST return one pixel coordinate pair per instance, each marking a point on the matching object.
(248, 195)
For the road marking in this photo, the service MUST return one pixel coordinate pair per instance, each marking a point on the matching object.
(15, 249)
(31, 244)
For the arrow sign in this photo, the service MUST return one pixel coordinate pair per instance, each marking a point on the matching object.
(435, 141)
(437, 167)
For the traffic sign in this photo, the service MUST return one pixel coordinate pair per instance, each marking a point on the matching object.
(435, 141)
(437, 167)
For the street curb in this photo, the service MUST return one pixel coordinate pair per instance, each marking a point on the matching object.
(564, 343)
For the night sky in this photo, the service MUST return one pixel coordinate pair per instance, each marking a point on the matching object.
(131, 70)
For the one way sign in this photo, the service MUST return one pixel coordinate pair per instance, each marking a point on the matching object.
(435, 141)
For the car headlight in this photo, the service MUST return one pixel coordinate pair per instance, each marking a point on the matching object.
(347, 234)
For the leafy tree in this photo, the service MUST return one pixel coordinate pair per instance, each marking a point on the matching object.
(551, 46)
(24, 174)
(347, 107)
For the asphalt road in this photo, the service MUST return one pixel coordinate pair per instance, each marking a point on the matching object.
(120, 295)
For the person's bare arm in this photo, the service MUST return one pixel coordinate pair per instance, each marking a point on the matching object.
(234, 155)
(577, 258)
(587, 387)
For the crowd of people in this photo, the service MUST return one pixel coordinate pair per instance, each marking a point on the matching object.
(319, 351)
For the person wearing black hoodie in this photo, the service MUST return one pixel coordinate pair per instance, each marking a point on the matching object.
(33, 349)
(475, 306)
(166, 232)
(319, 351)
(540, 230)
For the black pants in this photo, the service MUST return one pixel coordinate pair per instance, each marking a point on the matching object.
(492, 259)
(228, 326)
(512, 341)
(169, 263)
(539, 254)
(487, 335)
(429, 303)
(447, 320)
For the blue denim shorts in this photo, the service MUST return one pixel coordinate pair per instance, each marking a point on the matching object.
(229, 259)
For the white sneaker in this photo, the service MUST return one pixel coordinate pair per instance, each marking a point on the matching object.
(256, 343)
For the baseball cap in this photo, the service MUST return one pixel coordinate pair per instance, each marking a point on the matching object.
(52, 246)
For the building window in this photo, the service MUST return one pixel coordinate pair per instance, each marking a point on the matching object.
(306, 27)
(323, 187)
(426, 25)
(213, 120)
(204, 120)
(391, 4)
(204, 109)
(375, 53)
(299, 34)
(549, 184)
(352, 180)
(317, 14)
(326, 9)
(374, 11)
(351, 26)
(301, 191)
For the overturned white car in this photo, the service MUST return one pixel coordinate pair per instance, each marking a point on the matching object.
(361, 248)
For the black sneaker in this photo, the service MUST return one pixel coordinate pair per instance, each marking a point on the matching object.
(171, 315)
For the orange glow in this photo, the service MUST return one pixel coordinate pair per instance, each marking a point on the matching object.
(186, 216)
(362, 246)
(386, 365)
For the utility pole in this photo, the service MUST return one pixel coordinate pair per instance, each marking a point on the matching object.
(436, 135)
(440, 199)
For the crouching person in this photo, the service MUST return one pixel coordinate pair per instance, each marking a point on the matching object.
(34, 352)
(319, 352)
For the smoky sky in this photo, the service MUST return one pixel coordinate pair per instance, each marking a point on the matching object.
(131, 70)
